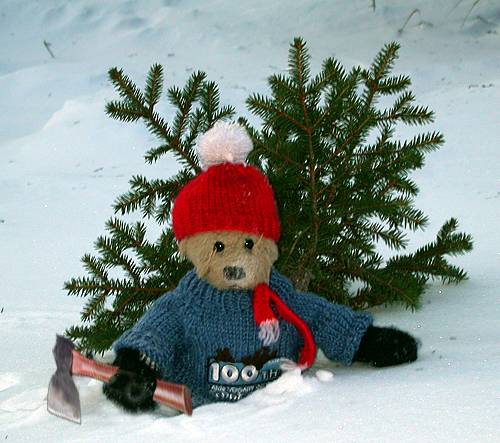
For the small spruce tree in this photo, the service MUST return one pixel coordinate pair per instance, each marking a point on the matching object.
(342, 183)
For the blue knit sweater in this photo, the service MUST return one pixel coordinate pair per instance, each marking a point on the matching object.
(208, 340)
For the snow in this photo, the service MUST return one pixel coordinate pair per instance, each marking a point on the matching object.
(324, 375)
(63, 162)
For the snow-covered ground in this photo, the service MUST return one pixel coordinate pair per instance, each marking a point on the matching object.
(62, 163)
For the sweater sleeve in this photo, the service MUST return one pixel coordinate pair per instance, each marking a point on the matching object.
(156, 334)
(337, 329)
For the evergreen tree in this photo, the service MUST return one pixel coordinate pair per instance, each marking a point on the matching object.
(343, 182)
(341, 179)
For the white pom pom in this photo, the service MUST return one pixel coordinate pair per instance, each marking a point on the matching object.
(225, 142)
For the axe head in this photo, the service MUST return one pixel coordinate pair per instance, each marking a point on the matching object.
(63, 399)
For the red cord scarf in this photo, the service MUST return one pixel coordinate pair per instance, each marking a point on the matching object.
(268, 323)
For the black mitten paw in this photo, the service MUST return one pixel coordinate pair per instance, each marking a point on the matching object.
(386, 347)
(133, 386)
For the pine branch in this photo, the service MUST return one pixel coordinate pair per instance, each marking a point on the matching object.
(136, 105)
(393, 85)
(126, 236)
(145, 194)
(154, 85)
(94, 305)
(126, 88)
(124, 111)
(95, 267)
(298, 63)
(264, 107)
(210, 100)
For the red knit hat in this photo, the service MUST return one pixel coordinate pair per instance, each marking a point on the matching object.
(226, 197)
(232, 196)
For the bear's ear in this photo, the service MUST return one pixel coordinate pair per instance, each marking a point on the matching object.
(273, 252)
(182, 245)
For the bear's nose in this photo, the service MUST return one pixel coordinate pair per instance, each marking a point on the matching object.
(234, 273)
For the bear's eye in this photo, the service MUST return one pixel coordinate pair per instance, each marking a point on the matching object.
(218, 246)
(249, 243)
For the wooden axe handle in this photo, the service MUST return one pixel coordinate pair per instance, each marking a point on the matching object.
(170, 394)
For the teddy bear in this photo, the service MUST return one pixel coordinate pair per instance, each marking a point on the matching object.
(233, 321)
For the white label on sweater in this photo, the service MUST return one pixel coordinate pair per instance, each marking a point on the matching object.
(230, 381)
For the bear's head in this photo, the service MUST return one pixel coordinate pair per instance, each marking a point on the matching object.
(225, 219)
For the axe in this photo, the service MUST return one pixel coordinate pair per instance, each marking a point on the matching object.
(63, 399)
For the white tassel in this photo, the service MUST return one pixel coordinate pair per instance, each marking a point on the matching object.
(269, 332)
